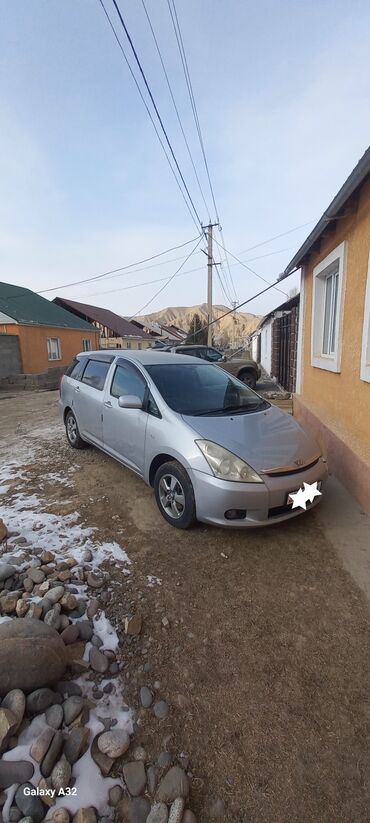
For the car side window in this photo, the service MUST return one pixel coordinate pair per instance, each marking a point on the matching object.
(95, 374)
(213, 355)
(127, 380)
(75, 369)
(202, 353)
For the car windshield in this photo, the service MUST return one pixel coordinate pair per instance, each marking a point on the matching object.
(203, 389)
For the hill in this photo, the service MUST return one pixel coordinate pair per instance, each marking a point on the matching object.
(238, 324)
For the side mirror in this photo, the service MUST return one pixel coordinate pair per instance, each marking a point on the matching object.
(223, 358)
(130, 401)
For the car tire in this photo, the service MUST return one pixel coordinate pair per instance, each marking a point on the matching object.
(248, 378)
(179, 510)
(72, 431)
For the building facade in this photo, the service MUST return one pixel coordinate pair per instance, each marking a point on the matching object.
(333, 361)
(115, 332)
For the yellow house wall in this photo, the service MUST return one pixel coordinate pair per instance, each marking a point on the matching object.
(342, 401)
(123, 343)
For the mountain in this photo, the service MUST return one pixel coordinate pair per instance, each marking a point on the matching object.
(237, 324)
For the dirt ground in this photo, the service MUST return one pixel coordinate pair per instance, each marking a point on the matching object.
(266, 658)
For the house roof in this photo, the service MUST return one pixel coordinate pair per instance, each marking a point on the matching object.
(119, 325)
(289, 304)
(28, 308)
(355, 179)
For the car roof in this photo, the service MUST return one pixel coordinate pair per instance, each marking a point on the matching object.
(149, 357)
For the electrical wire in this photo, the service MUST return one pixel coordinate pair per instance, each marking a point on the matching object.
(168, 280)
(249, 268)
(175, 106)
(122, 268)
(148, 112)
(123, 24)
(276, 237)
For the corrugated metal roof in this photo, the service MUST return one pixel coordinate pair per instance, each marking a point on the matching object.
(105, 317)
(28, 308)
(355, 179)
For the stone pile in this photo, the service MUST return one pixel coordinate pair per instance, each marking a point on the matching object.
(48, 637)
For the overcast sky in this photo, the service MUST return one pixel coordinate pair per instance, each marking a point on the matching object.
(282, 90)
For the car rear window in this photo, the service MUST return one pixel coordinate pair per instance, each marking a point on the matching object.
(95, 374)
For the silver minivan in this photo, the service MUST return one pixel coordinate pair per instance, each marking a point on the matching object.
(212, 449)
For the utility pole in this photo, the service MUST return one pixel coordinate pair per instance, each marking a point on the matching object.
(209, 230)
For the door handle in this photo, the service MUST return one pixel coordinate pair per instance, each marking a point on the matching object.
(108, 404)
(77, 388)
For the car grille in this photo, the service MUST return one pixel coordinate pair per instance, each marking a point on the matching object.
(277, 511)
(282, 471)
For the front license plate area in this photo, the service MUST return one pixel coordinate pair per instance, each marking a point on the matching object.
(289, 501)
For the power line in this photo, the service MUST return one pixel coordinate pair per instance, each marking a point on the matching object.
(276, 237)
(175, 105)
(168, 281)
(249, 269)
(148, 112)
(123, 24)
(122, 268)
(180, 43)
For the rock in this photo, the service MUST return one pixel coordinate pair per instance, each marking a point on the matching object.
(75, 651)
(68, 601)
(52, 754)
(165, 622)
(95, 581)
(32, 655)
(133, 625)
(72, 707)
(8, 603)
(217, 809)
(85, 629)
(3, 530)
(15, 701)
(21, 608)
(161, 709)
(68, 687)
(64, 575)
(6, 570)
(115, 795)
(152, 777)
(36, 575)
(64, 622)
(165, 760)
(87, 815)
(52, 617)
(70, 634)
(8, 724)
(158, 813)
(61, 774)
(189, 817)
(146, 697)
(114, 743)
(41, 744)
(54, 716)
(174, 784)
(176, 810)
(27, 584)
(48, 799)
(139, 753)
(96, 641)
(40, 700)
(104, 762)
(15, 814)
(34, 611)
(87, 556)
(30, 805)
(98, 661)
(15, 771)
(60, 816)
(134, 777)
(45, 604)
(55, 594)
(27, 819)
(92, 608)
(135, 810)
(47, 557)
(76, 744)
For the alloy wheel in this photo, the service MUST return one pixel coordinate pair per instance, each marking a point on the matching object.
(172, 496)
(72, 429)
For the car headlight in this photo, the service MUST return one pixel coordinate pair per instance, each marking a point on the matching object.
(226, 465)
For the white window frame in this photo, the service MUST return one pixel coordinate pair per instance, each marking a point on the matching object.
(336, 260)
(86, 344)
(59, 348)
(365, 348)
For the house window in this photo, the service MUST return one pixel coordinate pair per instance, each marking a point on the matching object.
(139, 346)
(327, 309)
(365, 352)
(54, 348)
(86, 343)
(128, 344)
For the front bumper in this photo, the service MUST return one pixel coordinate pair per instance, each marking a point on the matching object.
(265, 503)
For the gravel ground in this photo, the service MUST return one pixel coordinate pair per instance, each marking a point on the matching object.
(264, 659)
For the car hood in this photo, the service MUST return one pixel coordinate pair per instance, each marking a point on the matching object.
(267, 440)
